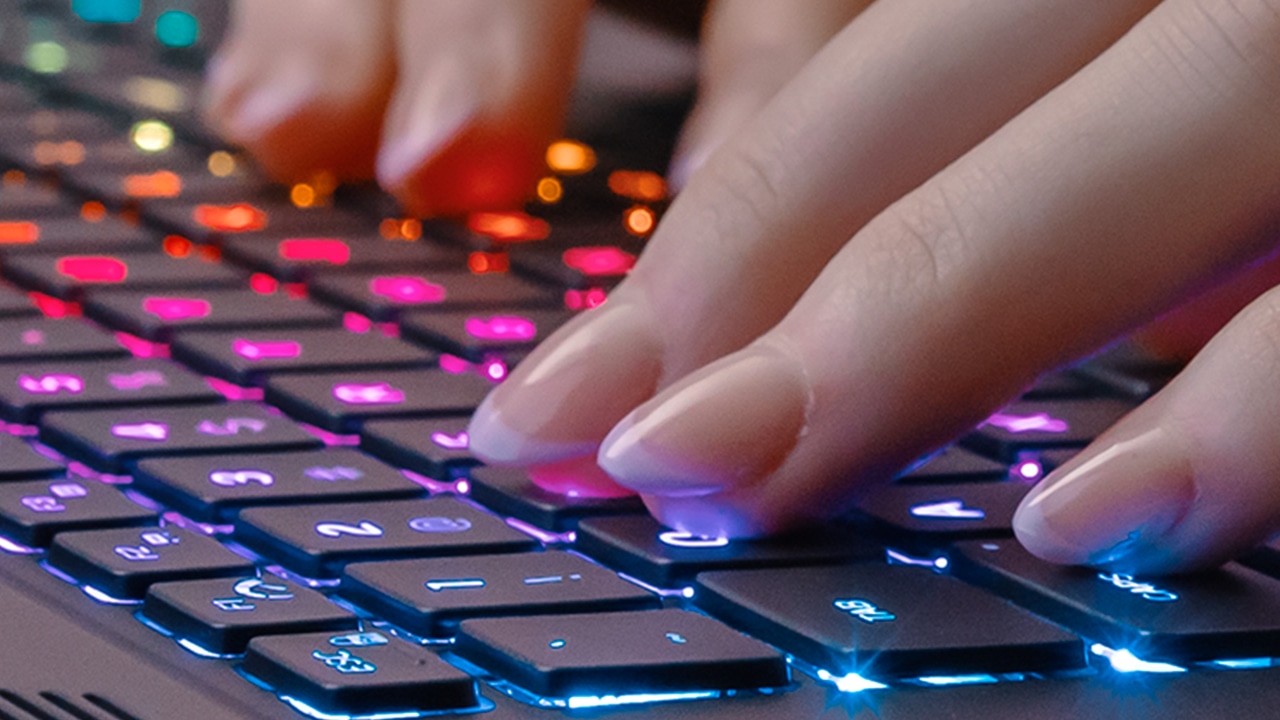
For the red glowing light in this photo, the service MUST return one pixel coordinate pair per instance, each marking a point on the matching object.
(584, 299)
(601, 260)
(92, 268)
(177, 246)
(263, 284)
(18, 233)
(53, 307)
(480, 262)
(509, 226)
(334, 252)
(241, 217)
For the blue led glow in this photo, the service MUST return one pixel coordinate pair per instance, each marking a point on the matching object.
(1144, 590)
(1124, 661)
(949, 680)
(1243, 664)
(677, 539)
(177, 29)
(864, 610)
(106, 599)
(200, 651)
(14, 548)
(107, 11)
(897, 557)
(601, 701)
(947, 510)
(484, 705)
(850, 683)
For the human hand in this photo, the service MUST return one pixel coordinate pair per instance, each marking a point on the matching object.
(948, 200)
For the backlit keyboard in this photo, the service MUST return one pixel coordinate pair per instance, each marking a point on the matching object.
(234, 478)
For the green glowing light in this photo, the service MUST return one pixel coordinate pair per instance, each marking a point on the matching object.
(177, 29)
(107, 11)
(46, 58)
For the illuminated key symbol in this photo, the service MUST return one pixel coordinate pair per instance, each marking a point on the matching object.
(272, 350)
(167, 308)
(32, 337)
(92, 269)
(333, 474)
(501, 327)
(1144, 590)
(141, 553)
(51, 384)
(557, 644)
(334, 252)
(159, 538)
(676, 638)
(259, 589)
(1039, 422)
(600, 260)
(451, 442)
(68, 490)
(550, 579)
(345, 663)
(947, 510)
(236, 478)
(137, 380)
(689, 540)
(407, 289)
(442, 585)
(363, 639)
(334, 529)
(43, 504)
(235, 604)
(864, 611)
(368, 394)
(231, 426)
(155, 432)
(439, 525)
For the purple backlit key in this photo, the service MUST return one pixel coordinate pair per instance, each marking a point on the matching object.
(33, 512)
(473, 335)
(435, 447)
(158, 315)
(341, 402)
(25, 339)
(28, 390)
(383, 297)
(1044, 425)
(509, 491)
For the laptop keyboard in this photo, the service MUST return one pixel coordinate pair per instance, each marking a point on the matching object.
(238, 411)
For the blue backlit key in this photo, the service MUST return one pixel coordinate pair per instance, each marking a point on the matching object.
(317, 540)
(1230, 612)
(371, 674)
(33, 512)
(29, 389)
(429, 597)
(123, 562)
(934, 514)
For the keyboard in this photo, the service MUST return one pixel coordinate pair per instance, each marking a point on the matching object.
(234, 477)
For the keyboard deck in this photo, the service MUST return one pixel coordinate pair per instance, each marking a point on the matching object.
(234, 478)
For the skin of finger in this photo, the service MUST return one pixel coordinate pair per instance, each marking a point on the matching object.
(505, 68)
(1128, 187)
(326, 68)
(750, 49)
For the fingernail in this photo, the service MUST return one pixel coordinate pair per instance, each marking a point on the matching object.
(1110, 506)
(727, 425)
(561, 400)
(277, 98)
(420, 128)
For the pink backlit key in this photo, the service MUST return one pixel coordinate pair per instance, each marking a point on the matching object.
(266, 349)
(172, 308)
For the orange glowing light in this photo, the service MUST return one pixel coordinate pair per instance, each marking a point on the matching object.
(241, 217)
(550, 190)
(221, 163)
(639, 220)
(162, 184)
(54, 153)
(389, 229)
(302, 195)
(209, 253)
(509, 226)
(177, 246)
(488, 262)
(93, 211)
(15, 177)
(570, 157)
(410, 229)
(638, 185)
(19, 233)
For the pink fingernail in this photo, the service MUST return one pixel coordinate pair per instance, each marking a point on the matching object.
(414, 134)
(727, 425)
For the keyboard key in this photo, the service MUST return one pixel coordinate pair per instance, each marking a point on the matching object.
(15, 303)
(1042, 425)
(112, 440)
(658, 651)
(383, 297)
(247, 357)
(222, 615)
(25, 339)
(638, 546)
(28, 390)
(359, 673)
(19, 461)
(436, 448)
(933, 514)
(157, 316)
(474, 335)
(954, 465)
(341, 402)
(67, 277)
(72, 234)
(887, 620)
(577, 267)
(317, 540)
(509, 491)
(1062, 385)
(1225, 613)
(429, 597)
(33, 512)
(216, 489)
(296, 259)
(123, 562)
(214, 222)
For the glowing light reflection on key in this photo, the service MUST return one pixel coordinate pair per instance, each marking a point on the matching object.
(602, 260)
(240, 217)
(19, 233)
(451, 442)
(368, 394)
(160, 184)
(675, 538)
(266, 349)
(1037, 422)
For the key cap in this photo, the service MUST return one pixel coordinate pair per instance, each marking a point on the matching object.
(29, 390)
(887, 620)
(158, 315)
(382, 297)
(25, 339)
(1062, 385)
(297, 259)
(341, 402)
(929, 514)
(19, 461)
(954, 465)
(113, 440)
(216, 489)
(474, 335)
(1228, 612)
(222, 615)
(359, 673)
(213, 223)
(1042, 425)
(436, 448)
(247, 357)
(509, 491)
(1129, 371)
(640, 547)
(31, 199)
(429, 597)
(317, 540)
(123, 562)
(15, 303)
(576, 267)
(657, 651)
(72, 234)
(33, 512)
(67, 277)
